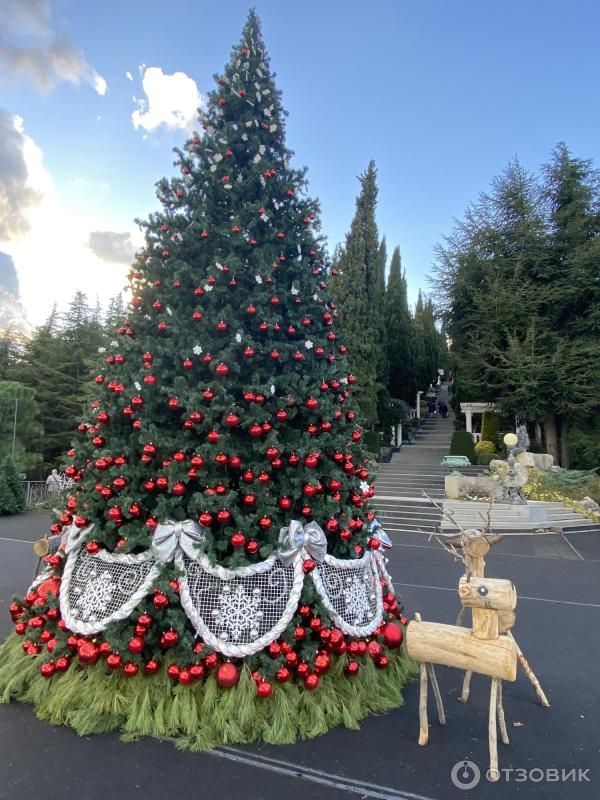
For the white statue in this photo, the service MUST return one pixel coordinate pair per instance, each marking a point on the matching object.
(53, 482)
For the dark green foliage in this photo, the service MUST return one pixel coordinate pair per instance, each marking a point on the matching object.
(484, 457)
(358, 292)
(12, 497)
(462, 445)
(399, 342)
(17, 397)
(517, 288)
(489, 428)
(373, 442)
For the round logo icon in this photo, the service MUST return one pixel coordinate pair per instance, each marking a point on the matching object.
(465, 775)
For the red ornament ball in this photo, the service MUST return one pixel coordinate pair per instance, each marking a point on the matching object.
(392, 635)
(228, 675)
(311, 681)
(264, 689)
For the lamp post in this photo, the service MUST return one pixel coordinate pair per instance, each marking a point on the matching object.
(511, 492)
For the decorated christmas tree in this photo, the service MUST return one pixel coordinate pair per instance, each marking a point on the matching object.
(218, 573)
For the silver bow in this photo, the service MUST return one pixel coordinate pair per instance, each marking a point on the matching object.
(298, 538)
(170, 535)
(377, 532)
(72, 537)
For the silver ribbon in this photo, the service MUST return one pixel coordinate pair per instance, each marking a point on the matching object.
(297, 538)
(170, 535)
(377, 532)
(73, 536)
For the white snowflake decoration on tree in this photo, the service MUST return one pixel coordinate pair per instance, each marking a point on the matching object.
(95, 597)
(238, 612)
(356, 599)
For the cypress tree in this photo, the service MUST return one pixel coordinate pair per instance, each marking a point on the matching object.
(398, 324)
(358, 292)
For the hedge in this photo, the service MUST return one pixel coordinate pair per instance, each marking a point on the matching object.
(462, 445)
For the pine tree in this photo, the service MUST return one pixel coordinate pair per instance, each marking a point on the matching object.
(28, 432)
(358, 292)
(227, 401)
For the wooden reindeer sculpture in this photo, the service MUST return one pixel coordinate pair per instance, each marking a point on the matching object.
(487, 648)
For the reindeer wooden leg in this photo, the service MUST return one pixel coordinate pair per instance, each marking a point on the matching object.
(436, 693)
(464, 696)
(493, 773)
(423, 725)
(501, 718)
(537, 686)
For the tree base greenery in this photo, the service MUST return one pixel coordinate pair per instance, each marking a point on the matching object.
(92, 699)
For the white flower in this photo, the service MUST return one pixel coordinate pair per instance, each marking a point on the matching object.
(261, 149)
(102, 349)
(197, 350)
(267, 112)
(258, 278)
(316, 296)
(257, 158)
(208, 287)
(138, 386)
(218, 157)
(213, 167)
(244, 137)
(344, 380)
(114, 343)
(272, 128)
(272, 389)
(308, 344)
(294, 290)
(238, 337)
(364, 486)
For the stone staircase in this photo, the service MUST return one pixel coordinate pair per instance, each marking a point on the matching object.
(399, 500)
(403, 508)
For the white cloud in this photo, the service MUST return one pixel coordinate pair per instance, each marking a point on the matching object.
(129, 76)
(30, 48)
(51, 252)
(112, 247)
(19, 177)
(171, 100)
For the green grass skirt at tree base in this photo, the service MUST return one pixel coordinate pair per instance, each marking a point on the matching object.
(92, 699)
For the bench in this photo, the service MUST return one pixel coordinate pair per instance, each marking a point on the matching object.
(455, 461)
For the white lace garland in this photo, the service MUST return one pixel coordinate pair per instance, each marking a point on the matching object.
(350, 591)
(238, 612)
(101, 588)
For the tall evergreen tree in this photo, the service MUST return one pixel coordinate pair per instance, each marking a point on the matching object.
(357, 289)
(399, 342)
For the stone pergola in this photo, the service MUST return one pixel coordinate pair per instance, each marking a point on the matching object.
(468, 409)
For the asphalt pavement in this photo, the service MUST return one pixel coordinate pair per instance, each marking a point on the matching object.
(554, 752)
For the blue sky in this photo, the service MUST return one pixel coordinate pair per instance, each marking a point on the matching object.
(441, 94)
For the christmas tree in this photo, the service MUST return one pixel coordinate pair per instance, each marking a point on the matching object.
(220, 575)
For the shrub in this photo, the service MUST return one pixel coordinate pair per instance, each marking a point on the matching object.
(489, 427)
(484, 458)
(462, 445)
(484, 446)
(12, 497)
(372, 442)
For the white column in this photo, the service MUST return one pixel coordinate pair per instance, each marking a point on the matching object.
(419, 404)
(399, 435)
(469, 415)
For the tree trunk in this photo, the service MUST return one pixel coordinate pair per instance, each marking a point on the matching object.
(551, 438)
(537, 435)
(565, 456)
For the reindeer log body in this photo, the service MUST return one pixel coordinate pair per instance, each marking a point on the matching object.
(435, 643)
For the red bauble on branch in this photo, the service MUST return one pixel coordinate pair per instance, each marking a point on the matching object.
(227, 675)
